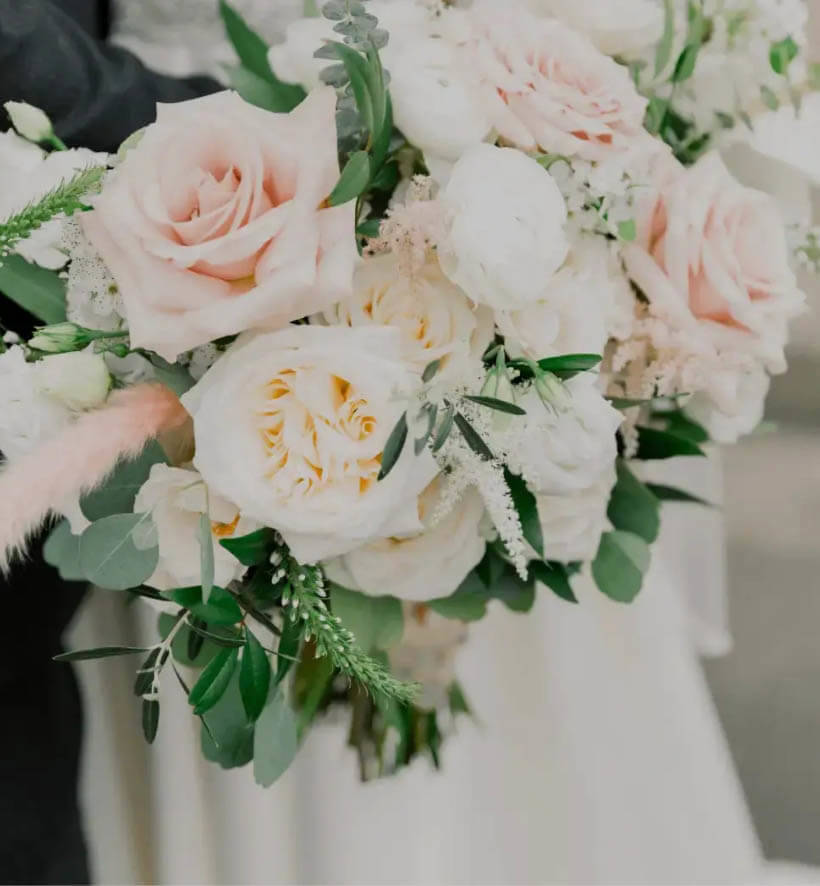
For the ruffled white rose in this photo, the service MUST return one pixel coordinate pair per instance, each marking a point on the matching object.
(424, 566)
(733, 404)
(27, 173)
(436, 319)
(568, 448)
(177, 498)
(616, 27)
(79, 380)
(507, 233)
(291, 426)
(572, 524)
(588, 301)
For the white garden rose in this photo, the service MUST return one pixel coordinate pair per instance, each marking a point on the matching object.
(427, 565)
(572, 524)
(177, 498)
(79, 379)
(616, 27)
(732, 405)
(587, 302)
(436, 319)
(292, 425)
(27, 173)
(570, 447)
(27, 415)
(507, 231)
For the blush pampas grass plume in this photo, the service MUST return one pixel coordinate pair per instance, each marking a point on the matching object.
(79, 459)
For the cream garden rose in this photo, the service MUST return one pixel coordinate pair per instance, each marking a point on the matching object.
(215, 222)
(507, 227)
(176, 498)
(437, 320)
(427, 565)
(291, 427)
(712, 259)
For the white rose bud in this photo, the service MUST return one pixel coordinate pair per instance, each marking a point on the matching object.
(79, 380)
(30, 122)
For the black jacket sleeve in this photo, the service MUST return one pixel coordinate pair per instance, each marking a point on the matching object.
(95, 94)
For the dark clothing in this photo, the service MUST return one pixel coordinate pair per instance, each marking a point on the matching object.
(51, 56)
(95, 94)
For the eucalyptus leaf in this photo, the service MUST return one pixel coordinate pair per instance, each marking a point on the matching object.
(620, 565)
(109, 557)
(37, 290)
(254, 676)
(117, 494)
(376, 622)
(275, 740)
(62, 551)
(172, 375)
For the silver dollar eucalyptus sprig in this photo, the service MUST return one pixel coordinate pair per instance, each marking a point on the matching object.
(65, 199)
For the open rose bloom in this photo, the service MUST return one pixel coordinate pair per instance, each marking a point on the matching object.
(350, 374)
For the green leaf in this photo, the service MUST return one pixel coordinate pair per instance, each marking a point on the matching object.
(430, 371)
(150, 719)
(456, 700)
(357, 70)
(472, 438)
(376, 622)
(110, 556)
(249, 46)
(782, 54)
(117, 494)
(353, 181)
(172, 375)
(686, 63)
(213, 681)
(184, 645)
(275, 741)
(554, 576)
(663, 52)
(431, 411)
(655, 444)
(516, 593)
(221, 608)
(62, 551)
(468, 603)
(278, 97)
(620, 565)
(394, 446)
(251, 549)
(670, 493)
(227, 736)
(444, 428)
(570, 364)
(206, 556)
(632, 507)
(37, 290)
(679, 424)
(769, 98)
(656, 112)
(254, 676)
(497, 405)
(144, 679)
(288, 648)
(99, 652)
(627, 230)
(527, 509)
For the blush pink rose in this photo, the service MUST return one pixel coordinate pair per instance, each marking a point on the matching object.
(216, 221)
(712, 259)
(548, 87)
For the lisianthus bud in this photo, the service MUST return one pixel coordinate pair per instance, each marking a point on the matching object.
(29, 121)
(58, 338)
(79, 380)
(551, 391)
(498, 386)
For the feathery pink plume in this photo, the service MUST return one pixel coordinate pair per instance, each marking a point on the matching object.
(79, 458)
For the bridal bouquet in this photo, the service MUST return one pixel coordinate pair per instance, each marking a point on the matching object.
(332, 361)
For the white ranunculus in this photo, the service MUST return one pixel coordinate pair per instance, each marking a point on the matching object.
(26, 174)
(423, 566)
(427, 652)
(588, 301)
(572, 524)
(568, 448)
(437, 320)
(292, 425)
(177, 498)
(616, 27)
(79, 380)
(507, 234)
(27, 415)
(732, 405)
(31, 122)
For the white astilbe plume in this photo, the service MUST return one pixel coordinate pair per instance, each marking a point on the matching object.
(412, 228)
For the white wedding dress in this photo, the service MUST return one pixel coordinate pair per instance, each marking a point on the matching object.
(597, 756)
